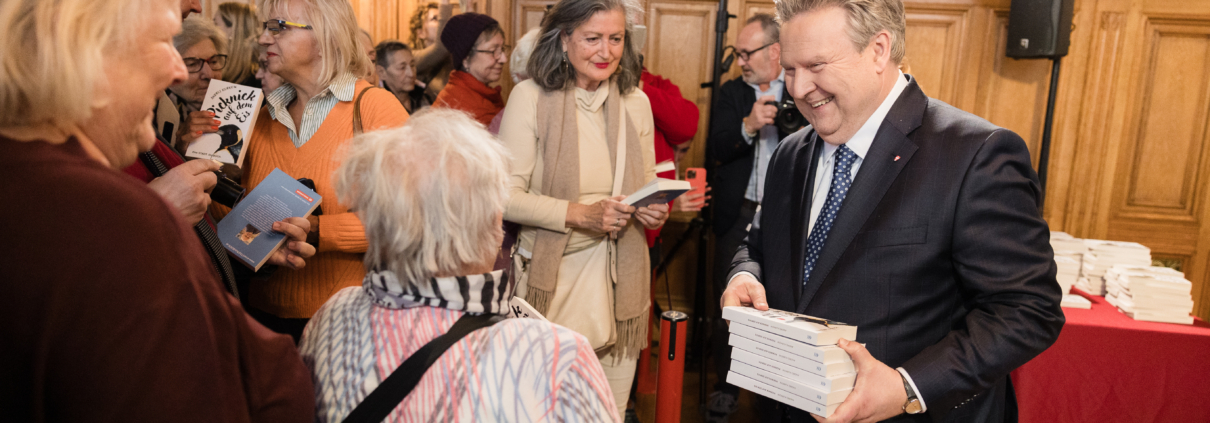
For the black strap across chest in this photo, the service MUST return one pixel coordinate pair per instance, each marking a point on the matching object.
(379, 404)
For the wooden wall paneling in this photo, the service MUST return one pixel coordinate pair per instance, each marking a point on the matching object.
(1164, 154)
(1160, 188)
(935, 37)
(1012, 93)
(525, 15)
(1074, 202)
(680, 47)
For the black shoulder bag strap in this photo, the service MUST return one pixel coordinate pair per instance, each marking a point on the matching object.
(379, 404)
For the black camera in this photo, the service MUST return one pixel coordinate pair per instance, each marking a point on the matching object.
(226, 192)
(788, 119)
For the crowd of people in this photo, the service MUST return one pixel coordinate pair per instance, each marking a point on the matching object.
(443, 201)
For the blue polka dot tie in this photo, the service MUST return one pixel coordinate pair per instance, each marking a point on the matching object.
(841, 180)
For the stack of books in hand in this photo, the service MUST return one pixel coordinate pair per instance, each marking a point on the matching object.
(1103, 255)
(1150, 293)
(1069, 257)
(791, 358)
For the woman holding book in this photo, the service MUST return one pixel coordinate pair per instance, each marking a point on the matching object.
(204, 50)
(581, 255)
(312, 46)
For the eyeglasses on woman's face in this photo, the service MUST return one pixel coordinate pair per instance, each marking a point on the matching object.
(277, 26)
(497, 52)
(216, 62)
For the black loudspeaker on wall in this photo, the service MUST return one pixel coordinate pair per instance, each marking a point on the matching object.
(1039, 28)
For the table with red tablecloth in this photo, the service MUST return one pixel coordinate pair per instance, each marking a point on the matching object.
(1107, 367)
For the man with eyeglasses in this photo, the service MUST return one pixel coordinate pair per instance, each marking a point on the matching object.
(742, 139)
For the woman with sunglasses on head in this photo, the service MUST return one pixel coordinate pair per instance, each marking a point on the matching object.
(476, 43)
(312, 46)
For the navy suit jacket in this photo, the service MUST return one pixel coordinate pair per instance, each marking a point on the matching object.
(939, 254)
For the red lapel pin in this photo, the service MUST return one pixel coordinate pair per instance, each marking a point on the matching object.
(896, 158)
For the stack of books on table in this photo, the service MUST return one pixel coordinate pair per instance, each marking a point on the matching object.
(1150, 293)
(1069, 257)
(791, 358)
(1103, 255)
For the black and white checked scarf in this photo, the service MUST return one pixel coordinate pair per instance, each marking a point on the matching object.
(486, 293)
(218, 255)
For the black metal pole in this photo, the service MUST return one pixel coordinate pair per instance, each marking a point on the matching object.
(1044, 153)
(703, 319)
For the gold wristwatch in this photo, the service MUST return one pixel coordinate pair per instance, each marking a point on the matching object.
(912, 405)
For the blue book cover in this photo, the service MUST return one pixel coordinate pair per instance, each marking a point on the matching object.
(247, 232)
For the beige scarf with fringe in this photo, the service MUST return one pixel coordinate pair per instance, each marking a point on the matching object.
(559, 136)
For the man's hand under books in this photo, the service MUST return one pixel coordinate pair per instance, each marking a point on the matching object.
(878, 393)
(296, 250)
(744, 290)
(606, 216)
(652, 216)
(187, 187)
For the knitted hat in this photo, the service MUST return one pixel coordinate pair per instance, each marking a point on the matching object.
(462, 31)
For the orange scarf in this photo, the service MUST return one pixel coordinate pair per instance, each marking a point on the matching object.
(470, 95)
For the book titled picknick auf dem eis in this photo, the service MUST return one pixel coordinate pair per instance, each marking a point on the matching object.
(247, 232)
(236, 106)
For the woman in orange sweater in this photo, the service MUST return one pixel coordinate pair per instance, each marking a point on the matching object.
(312, 46)
(476, 43)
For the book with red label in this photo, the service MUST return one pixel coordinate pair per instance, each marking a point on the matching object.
(798, 327)
(247, 232)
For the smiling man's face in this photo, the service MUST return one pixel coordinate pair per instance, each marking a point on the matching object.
(835, 85)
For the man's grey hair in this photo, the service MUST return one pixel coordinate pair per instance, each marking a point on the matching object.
(768, 24)
(866, 19)
(429, 193)
(194, 30)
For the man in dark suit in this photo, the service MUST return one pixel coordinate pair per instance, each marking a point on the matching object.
(913, 220)
(742, 139)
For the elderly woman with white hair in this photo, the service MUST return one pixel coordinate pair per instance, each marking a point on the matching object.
(581, 136)
(312, 45)
(431, 195)
(111, 309)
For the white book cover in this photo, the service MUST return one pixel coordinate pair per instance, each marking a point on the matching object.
(658, 191)
(823, 383)
(829, 370)
(1147, 316)
(520, 309)
(786, 384)
(800, 327)
(817, 353)
(778, 395)
(236, 106)
(1076, 301)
